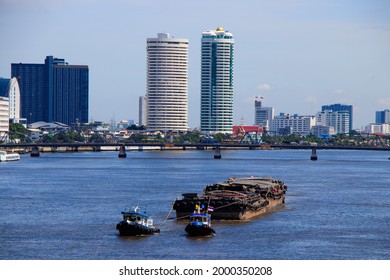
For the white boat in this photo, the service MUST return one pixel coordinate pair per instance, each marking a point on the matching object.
(4, 156)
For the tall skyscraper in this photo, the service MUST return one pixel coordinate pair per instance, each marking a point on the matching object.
(167, 83)
(216, 112)
(53, 91)
(32, 90)
(339, 108)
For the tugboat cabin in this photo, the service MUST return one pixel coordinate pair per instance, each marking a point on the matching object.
(199, 219)
(134, 217)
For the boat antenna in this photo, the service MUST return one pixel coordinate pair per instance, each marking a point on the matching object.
(208, 203)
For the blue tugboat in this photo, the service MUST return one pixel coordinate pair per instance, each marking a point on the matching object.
(200, 224)
(136, 223)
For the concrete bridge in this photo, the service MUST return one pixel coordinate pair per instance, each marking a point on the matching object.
(36, 148)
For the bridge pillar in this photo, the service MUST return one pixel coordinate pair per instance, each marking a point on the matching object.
(96, 148)
(313, 154)
(34, 152)
(217, 154)
(122, 152)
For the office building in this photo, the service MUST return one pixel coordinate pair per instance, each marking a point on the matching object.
(263, 115)
(167, 83)
(339, 120)
(382, 116)
(296, 124)
(216, 112)
(338, 108)
(54, 91)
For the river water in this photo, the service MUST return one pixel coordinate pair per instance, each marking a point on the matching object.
(66, 206)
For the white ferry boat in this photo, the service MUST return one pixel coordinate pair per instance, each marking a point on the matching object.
(4, 156)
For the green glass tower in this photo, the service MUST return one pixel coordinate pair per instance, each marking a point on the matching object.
(216, 112)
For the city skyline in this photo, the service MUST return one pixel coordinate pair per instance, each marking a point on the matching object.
(298, 55)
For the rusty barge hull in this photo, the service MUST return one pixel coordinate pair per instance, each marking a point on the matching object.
(241, 199)
(236, 213)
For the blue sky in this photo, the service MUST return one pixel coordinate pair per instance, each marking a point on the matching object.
(297, 54)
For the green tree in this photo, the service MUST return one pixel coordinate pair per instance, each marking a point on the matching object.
(18, 131)
(136, 127)
(220, 136)
(190, 137)
(96, 138)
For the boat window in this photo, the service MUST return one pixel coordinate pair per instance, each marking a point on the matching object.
(204, 219)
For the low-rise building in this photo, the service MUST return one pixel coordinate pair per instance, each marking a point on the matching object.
(373, 128)
(321, 130)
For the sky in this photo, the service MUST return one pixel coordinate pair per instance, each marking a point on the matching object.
(297, 54)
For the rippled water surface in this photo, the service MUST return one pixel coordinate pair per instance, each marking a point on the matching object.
(66, 206)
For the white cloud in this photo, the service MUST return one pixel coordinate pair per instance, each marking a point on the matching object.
(384, 101)
(264, 87)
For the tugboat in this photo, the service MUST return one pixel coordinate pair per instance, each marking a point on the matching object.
(136, 223)
(200, 224)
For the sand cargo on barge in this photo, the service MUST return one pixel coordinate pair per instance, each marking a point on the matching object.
(235, 199)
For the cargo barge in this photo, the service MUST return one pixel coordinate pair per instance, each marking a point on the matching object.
(236, 198)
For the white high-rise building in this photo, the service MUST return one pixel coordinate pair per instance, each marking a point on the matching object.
(167, 83)
(339, 120)
(10, 88)
(4, 118)
(216, 108)
(14, 99)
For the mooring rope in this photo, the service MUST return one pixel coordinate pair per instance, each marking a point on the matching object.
(166, 218)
